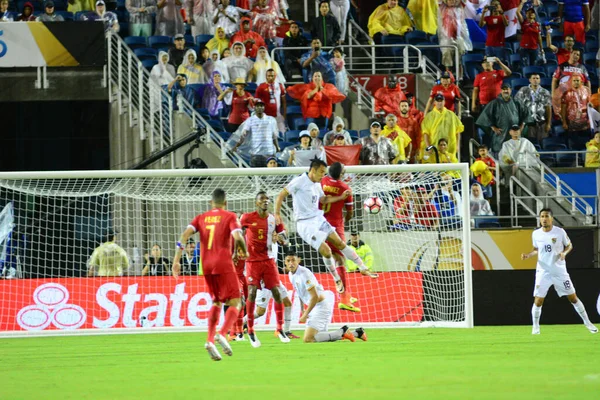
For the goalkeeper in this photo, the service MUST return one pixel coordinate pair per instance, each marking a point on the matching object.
(109, 259)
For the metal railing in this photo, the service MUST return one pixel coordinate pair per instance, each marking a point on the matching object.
(561, 152)
(150, 106)
(516, 201)
(473, 149)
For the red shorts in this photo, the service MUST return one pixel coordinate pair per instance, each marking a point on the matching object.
(223, 287)
(341, 234)
(265, 270)
(576, 29)
(243, 284)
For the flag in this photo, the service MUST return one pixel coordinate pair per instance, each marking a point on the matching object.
(347, 155)
(513, 22)
(474, 9)
(594, 117)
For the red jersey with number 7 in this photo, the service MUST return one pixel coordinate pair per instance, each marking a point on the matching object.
(333, 211)
(216, 228)
(259, 235)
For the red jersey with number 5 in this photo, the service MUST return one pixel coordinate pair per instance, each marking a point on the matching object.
(333, 211)
(259, 235)
(216, 228)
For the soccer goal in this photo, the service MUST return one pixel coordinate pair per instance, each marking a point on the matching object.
(418, 241)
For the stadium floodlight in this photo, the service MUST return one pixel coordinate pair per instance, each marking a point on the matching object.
(420, 239)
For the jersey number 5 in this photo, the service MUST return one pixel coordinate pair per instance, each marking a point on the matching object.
(211, 235)
(261, 234)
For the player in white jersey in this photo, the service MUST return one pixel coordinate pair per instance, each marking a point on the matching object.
(551, 244)
(316, 309)
(311, 225)
(264, 296)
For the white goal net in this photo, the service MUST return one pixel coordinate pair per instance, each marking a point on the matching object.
(419, 244)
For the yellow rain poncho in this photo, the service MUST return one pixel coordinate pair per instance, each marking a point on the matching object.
(442, 124)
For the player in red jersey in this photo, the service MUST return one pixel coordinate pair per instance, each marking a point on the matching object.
(259, 227)
(216, 228)
(333, 212)
(240, 267)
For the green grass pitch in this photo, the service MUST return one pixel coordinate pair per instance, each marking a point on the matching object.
(482, 363)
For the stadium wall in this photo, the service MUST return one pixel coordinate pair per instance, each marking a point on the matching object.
(505, 297)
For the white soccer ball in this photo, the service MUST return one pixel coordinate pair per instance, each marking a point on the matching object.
(373, 205)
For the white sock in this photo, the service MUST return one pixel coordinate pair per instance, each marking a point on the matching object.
(287, 318)
(580, 308)
(351, 255)
(330, 264)
(329, 336)
(536, 312)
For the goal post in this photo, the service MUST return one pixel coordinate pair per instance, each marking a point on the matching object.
(419, 243)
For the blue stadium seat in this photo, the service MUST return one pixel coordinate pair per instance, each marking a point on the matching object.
(217, 125)
(518, 83)
(515, 62)
(431, 53)
(550, 68)
(294, 109)
(364, 132)
(202, 39)
(224, 135)
(203, 113)
(148, 64)
(251, 86)
(79, 15)
(159, 41)
(558, 131)
(591, 45)
(307, 35)
(292, 136)
(551, 9)
(478, 48)
(591, 35)
(67, 16)
(554, 144)
(546, 83)
(189, 39)
(589, 60)
(61, 5)
(298, 123)
(353, 134)
(145, 51)
(578, 143)
(434, 39)
(121, 4)
(415, 37)
(566, 160)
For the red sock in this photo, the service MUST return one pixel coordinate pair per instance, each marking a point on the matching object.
(279, 315)
(213, 319)
(230, 317)
(250, 305)
(240, 322)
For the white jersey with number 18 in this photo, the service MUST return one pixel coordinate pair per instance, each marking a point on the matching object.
(549, 245)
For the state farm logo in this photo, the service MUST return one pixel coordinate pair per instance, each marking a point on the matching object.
(51, 308)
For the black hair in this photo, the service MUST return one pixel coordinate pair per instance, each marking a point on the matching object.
(548, 210)
(337, 49)
(482, 146)
(218, 196)
(404, 101)
(110, 236)
(260, 194)
(291, 252)
(324, 1)
(335, 170)
(443, 140)
(316, 163)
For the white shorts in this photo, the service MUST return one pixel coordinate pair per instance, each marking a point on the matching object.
(263, 296)
(314, 231)
(543, 280)
(320, 316)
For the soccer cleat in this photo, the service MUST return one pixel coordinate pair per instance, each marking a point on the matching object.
(353, 299)
(362, 335)
(348, 307)
(239, 337)
(212, 351)
(347, 334)
(254, 340)
(592, 328)
(535, 330)
(224, 343)
(291, 335)
(370, 274)
(339, 285)
(282, 336)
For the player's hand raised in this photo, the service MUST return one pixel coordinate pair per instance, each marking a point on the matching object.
(524, 256)
(346, 194)
(278, 219)
(176, 269)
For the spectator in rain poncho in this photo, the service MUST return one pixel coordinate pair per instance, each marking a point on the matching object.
(212, 91)
(516, 153)
(193, 71)
(452, 30)
(238, 65)
(169, 21)
(262, 64)
(338, 128)
(163, 72)
(266, 19)
(200, 15)
(302, 154)
(251, 40)
(178, 87)
(219, 42)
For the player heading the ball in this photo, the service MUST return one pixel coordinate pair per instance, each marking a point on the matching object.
(216, 227)
(316, 309)
(260, 229)
(551, 244)
(312, 227)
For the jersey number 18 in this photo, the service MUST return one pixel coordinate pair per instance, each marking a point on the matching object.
(548, 248)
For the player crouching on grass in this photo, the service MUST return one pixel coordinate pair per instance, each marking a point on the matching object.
(318, 311)
(551, 244)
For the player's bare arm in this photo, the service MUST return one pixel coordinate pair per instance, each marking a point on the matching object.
(240, 243)
(333, 199)
(532, 253)
(278, 203)
(567, 250)
(176, 268)
(314, 299)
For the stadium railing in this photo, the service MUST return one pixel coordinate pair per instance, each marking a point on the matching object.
(149, 106)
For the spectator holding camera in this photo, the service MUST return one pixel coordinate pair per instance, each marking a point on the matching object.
(531, 40)
(496, 22)
(155, 263)
(179, 87)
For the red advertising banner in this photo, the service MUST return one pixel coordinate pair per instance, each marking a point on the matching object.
(374, 82)
(105, 303)
(347, 155)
